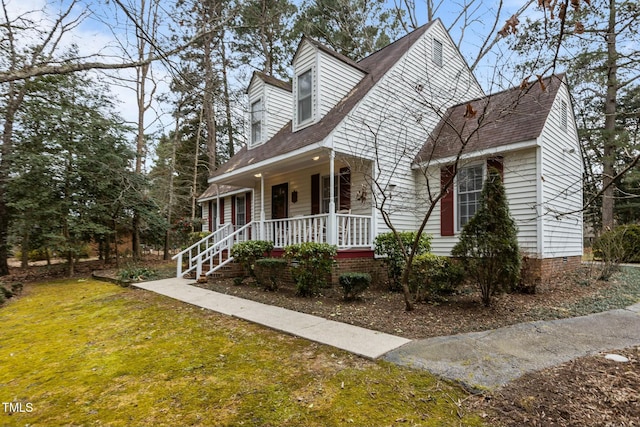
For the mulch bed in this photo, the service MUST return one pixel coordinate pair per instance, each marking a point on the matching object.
(384, 311)
(589, 391)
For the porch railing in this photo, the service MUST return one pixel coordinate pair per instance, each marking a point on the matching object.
(288, 231)
(354, 231)
(211, 253)
(351, 230)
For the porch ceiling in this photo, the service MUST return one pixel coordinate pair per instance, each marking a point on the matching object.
(246, 176)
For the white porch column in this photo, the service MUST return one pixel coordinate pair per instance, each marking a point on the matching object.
(332, 231)
(374, 210)
(217, 208)
(262, 215)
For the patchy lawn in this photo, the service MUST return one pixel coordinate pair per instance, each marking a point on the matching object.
(82, 352)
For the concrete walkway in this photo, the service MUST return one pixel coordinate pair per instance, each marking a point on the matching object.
(479, 360)
(360, 341)
(489, 359)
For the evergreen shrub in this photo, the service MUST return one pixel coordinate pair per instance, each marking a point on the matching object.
(488, 245)
(433, 276)
(395, 253)
(268, 272)
(354, 284)
(246, 253)
(310, 263)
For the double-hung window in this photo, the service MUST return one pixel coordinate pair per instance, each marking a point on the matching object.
(469, 186)
(305, 96)
(256, 122)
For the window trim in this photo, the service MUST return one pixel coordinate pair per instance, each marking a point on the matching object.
(310, 97)
(456, 205)
(256, 141)
(240, 202)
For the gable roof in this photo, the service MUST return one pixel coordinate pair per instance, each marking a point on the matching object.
(328, 51)
(285, 141)
(514, 115)
(270, 80)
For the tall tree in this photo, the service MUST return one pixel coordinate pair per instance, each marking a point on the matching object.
(597, 43)
(266, 39)
(354, 28)
(73, 150)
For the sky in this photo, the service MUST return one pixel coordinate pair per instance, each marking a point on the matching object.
(104, 33)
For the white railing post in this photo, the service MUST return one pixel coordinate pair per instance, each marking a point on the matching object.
(179, 269)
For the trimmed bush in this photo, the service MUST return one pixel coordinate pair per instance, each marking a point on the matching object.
(433, 276)
(311, 263)
(6, 293)
(354, 284)
(134, 273)
(387, 245)
(488, 245)
(268, 272)
(246, 253)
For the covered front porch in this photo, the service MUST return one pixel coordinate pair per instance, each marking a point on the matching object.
(309, 197)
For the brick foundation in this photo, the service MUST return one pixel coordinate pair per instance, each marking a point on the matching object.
(537, 271)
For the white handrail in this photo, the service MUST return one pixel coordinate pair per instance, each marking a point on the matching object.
(217, 250)
(199, 247)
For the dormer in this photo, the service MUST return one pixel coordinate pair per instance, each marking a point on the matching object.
(269, 107)
(322, 77)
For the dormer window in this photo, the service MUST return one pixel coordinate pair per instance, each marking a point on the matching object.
(256, 122)
(305, 98)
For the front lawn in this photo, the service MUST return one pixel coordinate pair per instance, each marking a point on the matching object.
(90, 353)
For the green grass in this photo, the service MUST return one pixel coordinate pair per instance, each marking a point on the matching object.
(91, 353)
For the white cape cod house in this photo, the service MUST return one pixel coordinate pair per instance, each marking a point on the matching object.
(348, 143)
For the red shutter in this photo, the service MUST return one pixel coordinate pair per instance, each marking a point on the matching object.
(498, 164)
(221, 211)
(446, 203)
(345, 189)
(315, 194)
(233, 210)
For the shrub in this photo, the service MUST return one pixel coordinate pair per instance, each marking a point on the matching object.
(135, 273)
(268, 271)
(246, 253)
(622, 244)
(387, 244)
(16, 288)
(434, 276)
(354, 284)
(488, 245)
(310, 264)
(5, 292)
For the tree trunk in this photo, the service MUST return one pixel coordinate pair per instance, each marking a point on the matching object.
(208, 109)
(609, 151)
(227, 101)
(24, 262)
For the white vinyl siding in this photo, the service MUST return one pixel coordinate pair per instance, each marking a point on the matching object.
(520, 187)
(335, 80)
(383, 126)
(275, 104)
(562, 183)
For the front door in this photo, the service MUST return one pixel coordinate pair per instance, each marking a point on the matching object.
(279, 199)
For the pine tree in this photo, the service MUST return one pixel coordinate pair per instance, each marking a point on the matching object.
(488, 245)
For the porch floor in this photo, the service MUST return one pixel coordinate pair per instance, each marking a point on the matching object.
(354, 339)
